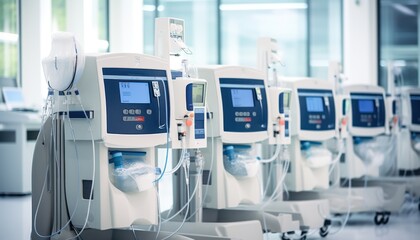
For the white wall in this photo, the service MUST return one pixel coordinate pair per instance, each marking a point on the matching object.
(360, 41)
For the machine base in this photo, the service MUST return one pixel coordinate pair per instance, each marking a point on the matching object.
(311, 214)
(275, 222)
(246, 230)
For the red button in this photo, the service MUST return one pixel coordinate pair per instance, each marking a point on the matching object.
(140, 119)
(189, 122)
(282, 122)
(247, 119)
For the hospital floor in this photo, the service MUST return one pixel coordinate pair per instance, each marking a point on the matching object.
(15, 223)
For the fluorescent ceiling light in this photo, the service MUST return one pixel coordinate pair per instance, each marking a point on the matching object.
(149, 8)
(152, 8)
(404, 9)
(8, 37)
(262, 6)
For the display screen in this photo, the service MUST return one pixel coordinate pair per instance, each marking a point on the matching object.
(242, 98)
(286, 100)
(198, 93)
(314, 104)
(366, 106)
(134, 92)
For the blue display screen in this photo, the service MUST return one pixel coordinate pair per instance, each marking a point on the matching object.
(366, 106)
(134, 92)
(242, 98)
(415, 109)
(314, 104)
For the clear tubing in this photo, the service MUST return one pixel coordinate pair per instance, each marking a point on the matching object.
(159, 214)
(45, 181)
(185, 205)
(188, 207)
(281, 181)
(344, 223)
(180, 162)
(208, 177)
(93, 170)
(337, 158)
(275, 155)
(167, 133)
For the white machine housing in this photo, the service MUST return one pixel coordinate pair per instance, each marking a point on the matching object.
(313, 124)
(230, 125)
(133, 120)
(363, 123)
(279, 121)
(408, 155)
(18, 134)
(190, 113)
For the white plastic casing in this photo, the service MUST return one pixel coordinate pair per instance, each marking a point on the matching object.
(276, 116)
(182, 114)
(212, 74)
(311, 84)
(359, 131)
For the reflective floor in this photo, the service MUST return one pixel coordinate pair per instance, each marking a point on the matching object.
(15, 223)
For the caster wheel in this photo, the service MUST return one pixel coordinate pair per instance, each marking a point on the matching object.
(386, 217)
(323, 231)
(303, 235)
(284, 237)
(379, 217)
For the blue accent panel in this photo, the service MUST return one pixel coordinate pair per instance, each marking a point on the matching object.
(394, 107)
(244, 119)
(415, 108)
(358, 140)
(199, 118)
(322, 120)
(281, 104)
(305, 145)
(368, 110)
(175, 74)
(188, 97)
(344, 107)
(136, 118)
(286, 129)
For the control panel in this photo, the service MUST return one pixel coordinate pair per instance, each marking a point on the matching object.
(244, 105)
(415, 109)
(317, 109)
(143, 101)
(368, 110)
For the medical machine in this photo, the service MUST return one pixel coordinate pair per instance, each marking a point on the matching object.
(409, 135)
(365, 108)
(281, 97)
(18, 133)
(100, 174)
(189, 138)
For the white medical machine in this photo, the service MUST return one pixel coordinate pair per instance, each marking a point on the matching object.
(409, 135)
(365, 108)
(189, 136)
(19, 128)
(240, 109)
(94, 163)
(281, 97)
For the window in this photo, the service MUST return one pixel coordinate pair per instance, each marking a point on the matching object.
(243, 22)
(149, 15)
(325, 38)
(226, 31)
(9, 43)
(98, 40)
(398, 41)
(200, 18)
